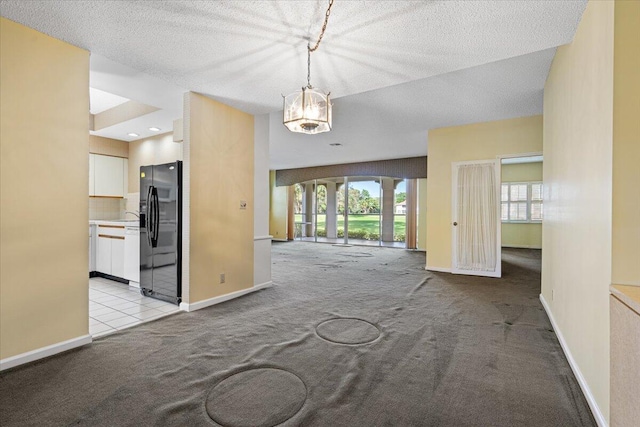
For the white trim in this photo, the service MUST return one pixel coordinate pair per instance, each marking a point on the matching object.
(222, 298)
(438, 269)
(43, 352)
(593, 405)
(262, 238)
(531, 154)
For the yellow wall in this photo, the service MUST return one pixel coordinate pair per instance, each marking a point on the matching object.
(576, 253)
(277, 209)
(522, 172)
(626, 144)
(44, 211)
(422, 214)
(481, 141)
(155, 150)
(108, 146)
(221, 166)
(522, 235)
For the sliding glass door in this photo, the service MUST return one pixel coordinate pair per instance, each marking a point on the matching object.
(364, 220)
(370, 210)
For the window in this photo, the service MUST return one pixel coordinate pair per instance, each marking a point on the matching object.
(521, 202)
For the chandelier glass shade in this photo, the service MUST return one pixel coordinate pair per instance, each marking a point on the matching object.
(307, 111)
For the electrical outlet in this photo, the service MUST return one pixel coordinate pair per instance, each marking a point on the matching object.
(222, 278)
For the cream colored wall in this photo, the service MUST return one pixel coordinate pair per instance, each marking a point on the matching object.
(522, 172)
(576, 253)
(522, 235)
(221, 168)
(108, 146)
(44, 149)
(278, 203)
(156, 150)
(422, 214)
(479, 141)
(626, 144)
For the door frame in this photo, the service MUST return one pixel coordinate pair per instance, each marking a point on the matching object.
(454, 213)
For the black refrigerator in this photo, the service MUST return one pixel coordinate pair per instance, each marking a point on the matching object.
(161, 231)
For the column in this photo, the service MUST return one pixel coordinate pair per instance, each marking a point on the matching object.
(331, 221)
(388, 202)
(308, 209)
(410, 229)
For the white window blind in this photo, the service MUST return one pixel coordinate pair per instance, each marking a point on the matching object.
(521, 202)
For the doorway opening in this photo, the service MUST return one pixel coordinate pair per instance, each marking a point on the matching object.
(521, 202)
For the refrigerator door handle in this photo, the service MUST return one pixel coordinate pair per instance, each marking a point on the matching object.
(149, 218)
(156, 216)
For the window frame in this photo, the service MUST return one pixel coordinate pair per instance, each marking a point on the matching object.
(529, 202)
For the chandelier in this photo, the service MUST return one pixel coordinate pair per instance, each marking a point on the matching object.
(309, 109)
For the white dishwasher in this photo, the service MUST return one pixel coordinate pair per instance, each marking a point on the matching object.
(132, 255)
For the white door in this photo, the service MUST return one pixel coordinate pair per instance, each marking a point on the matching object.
(475, 222)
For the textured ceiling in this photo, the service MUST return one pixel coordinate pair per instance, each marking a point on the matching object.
(393, 122)
(395, 68)
(247, 53)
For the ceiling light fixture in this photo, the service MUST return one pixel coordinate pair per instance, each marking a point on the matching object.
(133, 134)
(154, 129)
(309, 110)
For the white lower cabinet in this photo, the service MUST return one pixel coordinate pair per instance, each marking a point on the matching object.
(117, 257)
(132, 254)
(92, 248)
(103, 255)
(110, 250)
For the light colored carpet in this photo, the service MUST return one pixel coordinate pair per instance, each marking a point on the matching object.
(451, 351)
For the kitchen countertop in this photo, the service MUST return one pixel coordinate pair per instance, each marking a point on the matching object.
(124, 222)
(629, 295)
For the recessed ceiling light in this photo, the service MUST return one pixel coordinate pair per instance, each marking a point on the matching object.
(154, 129)
(133, 134)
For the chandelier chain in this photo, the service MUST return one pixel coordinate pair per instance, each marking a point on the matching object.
(324, 27)
(317, 45)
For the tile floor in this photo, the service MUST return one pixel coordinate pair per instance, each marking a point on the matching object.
(114, 306)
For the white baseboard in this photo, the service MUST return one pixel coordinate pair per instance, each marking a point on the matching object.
(133, 284)
(521, 246)
(438, 269)
(593, 405)
(262, 238)
(222, 298)
(43, 352)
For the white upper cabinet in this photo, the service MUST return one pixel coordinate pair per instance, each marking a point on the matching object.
(92, 168)
(109, 175)
(125, 177)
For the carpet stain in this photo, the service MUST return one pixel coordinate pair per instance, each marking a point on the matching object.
(275, 395)
(356, 254)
